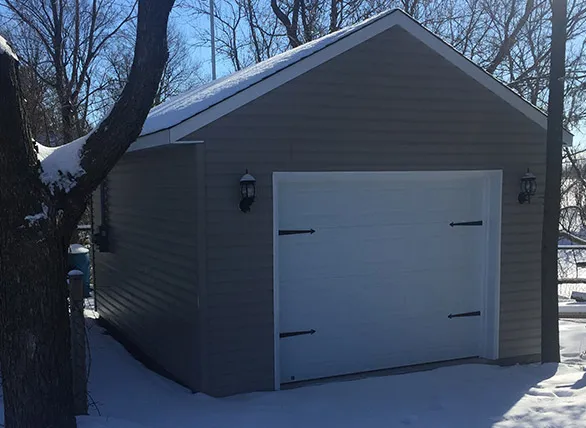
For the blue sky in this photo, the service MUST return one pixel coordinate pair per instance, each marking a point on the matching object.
(202, 55)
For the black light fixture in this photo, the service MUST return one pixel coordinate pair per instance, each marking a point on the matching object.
(247, 192)
(528, 187)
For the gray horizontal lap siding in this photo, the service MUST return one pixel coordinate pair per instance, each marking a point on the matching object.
(147, 284)
(388, 104)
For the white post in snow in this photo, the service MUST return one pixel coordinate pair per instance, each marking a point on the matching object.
(213, 39)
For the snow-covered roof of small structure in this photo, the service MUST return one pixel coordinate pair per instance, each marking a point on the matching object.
(185, 113)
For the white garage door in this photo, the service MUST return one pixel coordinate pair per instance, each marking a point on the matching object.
(393, 275)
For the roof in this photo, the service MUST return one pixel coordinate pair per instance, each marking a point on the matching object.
(179, 116)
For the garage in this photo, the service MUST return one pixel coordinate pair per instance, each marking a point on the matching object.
(351, 205)
(375, 270)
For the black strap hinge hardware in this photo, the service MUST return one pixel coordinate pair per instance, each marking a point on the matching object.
(467, 223)
(465, 314)
(296, 232)
(296, 333)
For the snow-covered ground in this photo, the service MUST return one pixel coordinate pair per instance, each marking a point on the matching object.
(460, 396)
(127, 395)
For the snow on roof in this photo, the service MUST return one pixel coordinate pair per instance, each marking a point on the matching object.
(5, 48)
(61, 165)
(194, 101)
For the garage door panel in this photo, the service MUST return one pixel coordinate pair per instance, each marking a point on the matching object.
(361, 267)
(365, 311)
(381, 274)
(392, 235)
(318, 268)
(387, 239)
(414, 293)
(377, 218)
(349, 209)
(324, 363)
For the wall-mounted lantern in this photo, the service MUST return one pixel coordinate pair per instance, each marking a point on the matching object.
(247, 192)
(528, 187)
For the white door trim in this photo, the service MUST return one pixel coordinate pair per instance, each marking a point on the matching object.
(491, 287)
(276, 314)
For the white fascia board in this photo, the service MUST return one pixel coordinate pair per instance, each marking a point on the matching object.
(160, 138)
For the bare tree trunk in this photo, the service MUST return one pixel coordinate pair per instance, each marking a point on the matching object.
(34, 333)
(36, 222)
(550, 341)
(65, 103)
(35, 358)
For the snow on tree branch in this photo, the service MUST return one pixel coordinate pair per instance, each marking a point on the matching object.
(5, 48)
(60, 166)
(35, 218)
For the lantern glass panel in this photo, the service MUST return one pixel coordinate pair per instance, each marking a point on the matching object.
(250, 190)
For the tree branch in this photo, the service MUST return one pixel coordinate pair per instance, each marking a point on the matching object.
(290, 27)
(18, 10)
(510, 39)
(106, 144)
(93, 52)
